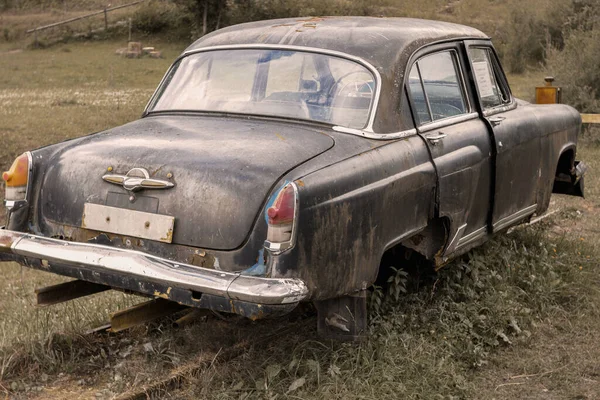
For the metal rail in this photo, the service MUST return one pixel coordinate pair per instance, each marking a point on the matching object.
(182, 375)
(105, 12)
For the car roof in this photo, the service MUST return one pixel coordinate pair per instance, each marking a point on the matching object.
(381, 41)
(386, 43)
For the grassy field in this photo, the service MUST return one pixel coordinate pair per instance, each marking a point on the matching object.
(517, 318)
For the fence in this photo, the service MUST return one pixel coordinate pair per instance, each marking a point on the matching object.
(67, 21)
(590, 118)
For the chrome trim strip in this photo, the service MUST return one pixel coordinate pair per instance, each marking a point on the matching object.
(152, 268)
(455, 240)
(441, 123)
(500, 109)
(471, 237)
(519, 215)
(133, 181)
(376, 136)
(339, 54)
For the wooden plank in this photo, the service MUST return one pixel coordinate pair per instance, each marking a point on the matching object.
(67, 291)
(590, 118)
(142, 313)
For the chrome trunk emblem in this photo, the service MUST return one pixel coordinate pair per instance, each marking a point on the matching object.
(137, 179)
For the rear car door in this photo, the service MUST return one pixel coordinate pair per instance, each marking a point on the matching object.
(458, 141)
(516, 139)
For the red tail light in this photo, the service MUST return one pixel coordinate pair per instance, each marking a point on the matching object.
(281, 218)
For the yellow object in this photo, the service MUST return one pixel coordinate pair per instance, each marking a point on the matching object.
(590, 118)
(18, 174)
(548, 94)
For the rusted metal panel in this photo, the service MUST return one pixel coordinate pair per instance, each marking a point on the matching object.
(67, 291)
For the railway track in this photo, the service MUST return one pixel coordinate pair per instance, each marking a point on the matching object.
(179, 376)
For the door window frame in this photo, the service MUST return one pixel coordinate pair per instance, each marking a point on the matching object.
(459, 60)
(499, 76)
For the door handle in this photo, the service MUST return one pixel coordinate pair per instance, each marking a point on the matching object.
(495, 121)
(434, 139)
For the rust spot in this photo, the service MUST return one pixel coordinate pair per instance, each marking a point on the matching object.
(163, 295)
(169, 237)
(300, 182)
(417, 239)
(7, 240)
(312, 19)
(281, 25)
(280, 137)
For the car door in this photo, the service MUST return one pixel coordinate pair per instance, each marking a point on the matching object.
(516, 139)
(458, 141)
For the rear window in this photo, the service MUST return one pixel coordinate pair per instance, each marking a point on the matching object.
(278, 83)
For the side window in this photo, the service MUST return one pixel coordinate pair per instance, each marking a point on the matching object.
(491, 91)
(435, 88)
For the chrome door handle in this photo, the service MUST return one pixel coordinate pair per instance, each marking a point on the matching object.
(495, 121)
(434, 139)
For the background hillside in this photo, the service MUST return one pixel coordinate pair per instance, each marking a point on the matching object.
(560, 37)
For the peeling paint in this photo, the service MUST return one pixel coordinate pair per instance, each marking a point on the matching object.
(258, 269)
(162, 295)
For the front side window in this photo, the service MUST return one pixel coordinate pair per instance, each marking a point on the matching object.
(436, 88)
(277, 83)
(491, 92)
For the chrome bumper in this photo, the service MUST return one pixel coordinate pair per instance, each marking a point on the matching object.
(94, 262)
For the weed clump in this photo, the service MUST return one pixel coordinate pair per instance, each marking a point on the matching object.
(428, 341)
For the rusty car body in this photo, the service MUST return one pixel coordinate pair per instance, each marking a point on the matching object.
(278, 161)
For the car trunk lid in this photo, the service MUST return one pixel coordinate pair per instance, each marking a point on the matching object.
(223, 170)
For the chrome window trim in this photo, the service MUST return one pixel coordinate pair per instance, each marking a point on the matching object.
(493, 59)
(441, 123)
(374, 102)
(500, 109)
(377, 136)
(458, 68)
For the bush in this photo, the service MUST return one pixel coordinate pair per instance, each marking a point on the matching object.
(243, 11)
(576, 70)
(576, 65)
(157, 16)
(527, 35)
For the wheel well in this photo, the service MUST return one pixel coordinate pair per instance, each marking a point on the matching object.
(565, 162)
(416, 254)
(406, 259)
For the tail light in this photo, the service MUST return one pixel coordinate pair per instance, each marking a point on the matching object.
(281, 219)
(16, 178)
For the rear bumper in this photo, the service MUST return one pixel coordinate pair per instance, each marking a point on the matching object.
(250, 296)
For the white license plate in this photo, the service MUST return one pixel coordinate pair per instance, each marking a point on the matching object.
(128, 222)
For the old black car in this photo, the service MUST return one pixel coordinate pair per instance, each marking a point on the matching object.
(278, 161)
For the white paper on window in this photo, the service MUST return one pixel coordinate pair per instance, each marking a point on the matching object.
(484, 79)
